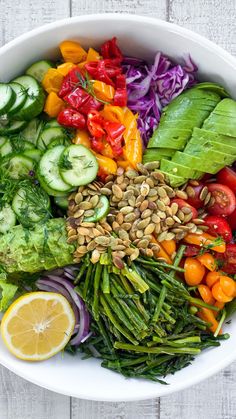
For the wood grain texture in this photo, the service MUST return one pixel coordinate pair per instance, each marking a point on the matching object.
(214, 19)
(215, 397)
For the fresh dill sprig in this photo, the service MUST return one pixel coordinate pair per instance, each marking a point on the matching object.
(205, 247)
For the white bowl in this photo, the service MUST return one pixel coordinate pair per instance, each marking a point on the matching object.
(138, 36)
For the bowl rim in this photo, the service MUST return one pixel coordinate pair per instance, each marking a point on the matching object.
(200, 40)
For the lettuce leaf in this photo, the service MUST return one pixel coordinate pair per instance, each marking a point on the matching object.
(7, 292)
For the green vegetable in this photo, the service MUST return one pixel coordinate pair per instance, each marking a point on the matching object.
(7, 292)
(44, 247)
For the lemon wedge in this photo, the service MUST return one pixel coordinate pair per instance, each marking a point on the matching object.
(37, 325)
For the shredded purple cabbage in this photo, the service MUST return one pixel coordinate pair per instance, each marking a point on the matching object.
(151, 87)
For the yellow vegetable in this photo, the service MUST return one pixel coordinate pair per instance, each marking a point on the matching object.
(72, 51)
(52, 80)
(65, 68)
(53, 105)
(103, 91)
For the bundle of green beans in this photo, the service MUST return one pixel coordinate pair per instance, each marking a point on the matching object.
(144, 322)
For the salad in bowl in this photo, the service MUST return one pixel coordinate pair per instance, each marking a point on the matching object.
(117, 218)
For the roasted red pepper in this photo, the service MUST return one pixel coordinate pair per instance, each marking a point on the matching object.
(95, 124)
(120, 98)
(70, 81)
(82, 101)
(97, 145)
(71, 118)
(110, 50)
(114, 129)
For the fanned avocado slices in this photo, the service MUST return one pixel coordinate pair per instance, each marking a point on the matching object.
(180, 170)
(155, 154)
(223, 119)
(202, 164)
(213, 87)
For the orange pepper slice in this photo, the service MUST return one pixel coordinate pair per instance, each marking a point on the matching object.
(53, 105)
(204, 239)
(161, 253)
(82, 137)
(93, 55)
(107, 165)
(65, 68)
(169, 246)
(103, 91)
(52, 80)
(72, 51)
(207, 315)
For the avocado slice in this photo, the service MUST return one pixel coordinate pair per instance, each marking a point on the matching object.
(215, 146)
(194, 105)
(197, 150)
(202, 134)
(213, 87)
(223, 119)
(174, 180)
(179, 170)
(203, 164)
(155, 154)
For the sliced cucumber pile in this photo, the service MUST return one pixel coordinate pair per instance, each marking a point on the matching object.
(196, 134)
(7, 97)
(39, 69)
(17, 166)
(34, 103)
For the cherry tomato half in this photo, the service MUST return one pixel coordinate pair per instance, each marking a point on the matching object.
(182, 203)
(227, 176)
(228, 259)
(208, 261)
(195, 200)
(194, 271)
(218, 226)
(225, 202)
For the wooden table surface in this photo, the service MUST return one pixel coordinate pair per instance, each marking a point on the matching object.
(214, 398)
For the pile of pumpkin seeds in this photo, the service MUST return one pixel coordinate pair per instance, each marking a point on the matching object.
(140, 208)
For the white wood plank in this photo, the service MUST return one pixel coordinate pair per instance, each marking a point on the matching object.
(20, 399)
(214, 19)
(17, 17)
(155, 8)
(211, 399)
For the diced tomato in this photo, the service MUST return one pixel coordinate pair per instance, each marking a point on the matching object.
(228, 259)
(218, 226)
(182, 203)
(227, 176)
(232, 220)
(195, 201)
(225, 202)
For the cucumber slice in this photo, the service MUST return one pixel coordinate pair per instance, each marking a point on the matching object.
(3, 141)
(59, 141)
(39, 69)
(11, 127)
(7, 97)
(47, 188)
(6, 148)
(52, 124)
(48, 135)
(62, 201)
(33, 154)
(100, 211)
(78, 166)
(49, 169)
(17, 165)
(31, 205)
(32, 131)
(7, 219)
(34, 103)
(20, 98)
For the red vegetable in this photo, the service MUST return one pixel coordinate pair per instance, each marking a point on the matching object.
(225, 202)
(195, 201)
(120, 98)
(70, 81)
(110, 50)
(95, 124)
(182, 203)
(232, 220)
(228, 259)
(218, 226)
(71, 118)
(115, 132)
(227, 176)
(82, 101)
(191, 250)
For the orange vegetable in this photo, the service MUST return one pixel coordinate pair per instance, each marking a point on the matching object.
(204, 239)
(93, 55)
(194, 271)
(212, 278)
(208, 316)
(219, 305)
(65, 68)
(219, 294)
(107, 150)
(124, 163)
(82, 137)
(103, 91)
(52, 80)
(53, 105)
(161, 253)
(208, 261)
(169, 246)
(72, 51)
(206, 294)
(133, 150)
(228, 286)
(107, 165)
